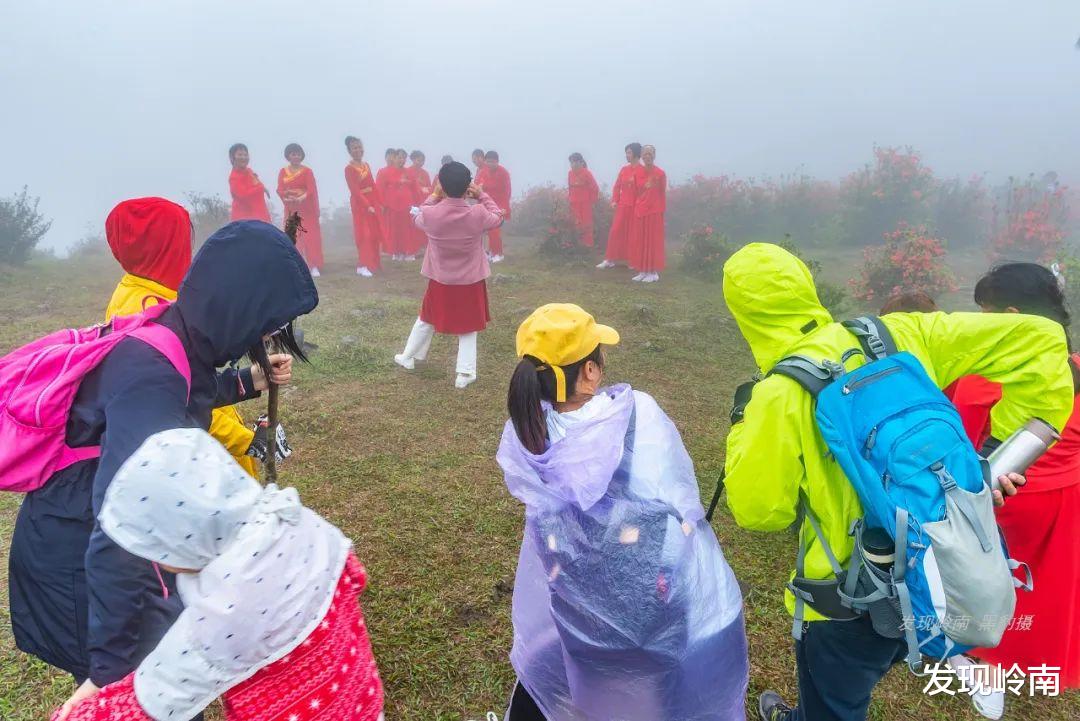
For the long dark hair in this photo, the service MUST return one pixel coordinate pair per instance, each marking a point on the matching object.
(285, 340)
(1032, 289)
(529, 386)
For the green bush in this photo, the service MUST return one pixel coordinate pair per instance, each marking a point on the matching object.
(21, 227)
(705, 251)
(208, 214)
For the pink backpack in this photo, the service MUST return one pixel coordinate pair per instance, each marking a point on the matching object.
(38, 383)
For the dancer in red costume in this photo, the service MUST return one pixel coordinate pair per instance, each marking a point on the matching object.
(624, 201)
(420, 181)
(397, 197)
(495, 181)
(584, 192)
(296, 188)
(248, 193)
(647, 249)
(366, 208)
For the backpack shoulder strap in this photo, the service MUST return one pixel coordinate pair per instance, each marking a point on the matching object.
(874, 337)
(813, 376)
(165, 342)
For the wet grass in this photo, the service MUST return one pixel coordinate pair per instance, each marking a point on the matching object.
(404, 464)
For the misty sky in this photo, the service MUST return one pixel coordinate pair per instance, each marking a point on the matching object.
(108, 100)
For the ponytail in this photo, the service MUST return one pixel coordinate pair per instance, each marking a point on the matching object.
(533, 382)
(526, 412)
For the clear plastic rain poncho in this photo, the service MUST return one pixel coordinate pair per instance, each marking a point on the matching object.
(624, 606)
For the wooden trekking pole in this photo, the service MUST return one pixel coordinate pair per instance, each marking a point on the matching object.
(293, 227)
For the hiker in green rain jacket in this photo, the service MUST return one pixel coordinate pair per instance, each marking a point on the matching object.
(775, 452)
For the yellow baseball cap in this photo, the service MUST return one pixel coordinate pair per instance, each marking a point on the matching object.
(561, 334)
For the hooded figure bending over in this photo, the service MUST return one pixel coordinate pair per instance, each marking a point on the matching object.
(624, 606)
(79, 601)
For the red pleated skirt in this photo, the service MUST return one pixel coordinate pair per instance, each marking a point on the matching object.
(583, 221)
(620, 239)
(367, 233)
(1043, 530)
(456, 309)
(647, 252)
(399, 236)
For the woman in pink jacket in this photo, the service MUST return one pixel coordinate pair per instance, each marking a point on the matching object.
(456, 301)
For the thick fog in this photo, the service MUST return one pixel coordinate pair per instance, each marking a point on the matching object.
(103, 101)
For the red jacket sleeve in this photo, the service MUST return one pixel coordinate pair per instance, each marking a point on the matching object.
(594, 188)
(974, 397)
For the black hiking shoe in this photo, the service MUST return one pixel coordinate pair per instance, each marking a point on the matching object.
(772, 708)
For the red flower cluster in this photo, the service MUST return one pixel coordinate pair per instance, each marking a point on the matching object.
(911, 260)
(1032, 224)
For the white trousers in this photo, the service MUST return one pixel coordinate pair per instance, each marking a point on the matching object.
(419, 343)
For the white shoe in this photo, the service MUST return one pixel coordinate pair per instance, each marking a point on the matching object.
(651, 278)
(464, 381)
(638, 278)
(315, 273)
(989, 701)
(363, 271)
(406, 363)
(605, 264)
(410, 258)
(496, 259)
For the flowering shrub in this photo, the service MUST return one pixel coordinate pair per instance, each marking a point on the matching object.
(1030, 220)
(735, 207)
(560, 241)
(894, 189)
(532, 213)
(705, 251)
(910, 260)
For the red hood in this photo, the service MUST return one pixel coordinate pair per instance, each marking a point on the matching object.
(151, 238)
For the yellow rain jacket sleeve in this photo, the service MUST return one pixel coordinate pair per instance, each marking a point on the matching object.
(133, 295)
(776, 452)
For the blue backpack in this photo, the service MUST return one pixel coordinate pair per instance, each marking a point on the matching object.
(901, 443)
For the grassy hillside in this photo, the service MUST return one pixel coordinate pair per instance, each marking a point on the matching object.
(405, 465)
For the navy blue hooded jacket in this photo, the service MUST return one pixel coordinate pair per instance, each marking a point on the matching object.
(78, 601)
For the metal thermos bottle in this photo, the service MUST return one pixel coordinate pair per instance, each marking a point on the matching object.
(1021, 449)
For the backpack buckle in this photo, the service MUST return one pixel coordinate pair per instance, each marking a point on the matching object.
(876, 345)
(835, 369)
(944, 477)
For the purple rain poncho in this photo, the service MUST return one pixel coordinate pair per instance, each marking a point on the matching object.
(624, 606)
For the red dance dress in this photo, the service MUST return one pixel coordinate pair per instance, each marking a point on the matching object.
(331, 676)
(363, 199)
(396, 192)
(1041, 525)
(624, 195)
(584, 192)
(456, 309)
(248, 196)
(420, 184)
(496, 183)
(647, 241)
(297, 191)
